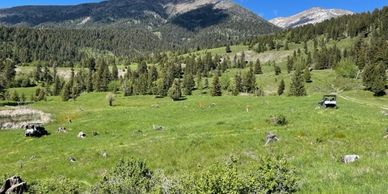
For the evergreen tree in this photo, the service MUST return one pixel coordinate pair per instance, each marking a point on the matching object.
(57, 87)
(249, 81)
(10, 71)
(66, 92)
(258, 69)
(206, 84)
(216, 89)
(286, 46)
(307, 75)
(297, 84)
(14, 96)
(115, 72)
(290, 65)
(188, 84)
(281, 88)
(305, 47)
(378, 80)
(237, 85)
(38, 72)
(175, 92)
(277, 70)
(227, 49)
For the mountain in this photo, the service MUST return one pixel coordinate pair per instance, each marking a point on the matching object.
(204, 23)
(311, 16)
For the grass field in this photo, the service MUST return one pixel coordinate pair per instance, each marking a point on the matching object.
(202, 130)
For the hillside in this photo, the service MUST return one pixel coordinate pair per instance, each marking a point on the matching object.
(310, 16)
(172, 23)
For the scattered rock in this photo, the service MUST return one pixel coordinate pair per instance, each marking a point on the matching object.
(13, 185)
(155, 106)
(62, 130)
(271, 138)
(350, 158)
(104, 154)
(72, 159)
(157, 127)
(81, 135)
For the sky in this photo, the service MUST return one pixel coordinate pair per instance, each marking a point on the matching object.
(267, 9)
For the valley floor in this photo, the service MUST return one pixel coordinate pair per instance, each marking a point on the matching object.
(203, 130)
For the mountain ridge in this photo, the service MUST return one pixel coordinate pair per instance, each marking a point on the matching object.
(311, 16)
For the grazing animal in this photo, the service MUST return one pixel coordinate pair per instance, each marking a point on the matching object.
(81, 135)
(350, 158)
(13, 185)
(271, 138)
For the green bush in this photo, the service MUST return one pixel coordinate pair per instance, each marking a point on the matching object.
(129, 176)
(346, 68)
(56, 185)
(278, 120)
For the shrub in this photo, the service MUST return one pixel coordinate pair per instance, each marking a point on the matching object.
(346, 68)
(273, 176)
(129, 176)
(57, 185)
(278, 120)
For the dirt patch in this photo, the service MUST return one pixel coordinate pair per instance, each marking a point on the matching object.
(16, 118)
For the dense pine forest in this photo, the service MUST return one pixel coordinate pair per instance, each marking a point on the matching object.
(367, 59)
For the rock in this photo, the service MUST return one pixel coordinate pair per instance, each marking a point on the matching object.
(13, 185)
(61, 130)
(350, 158)
(157, 127)
(271, 138)
(81, 135)
(72, 159)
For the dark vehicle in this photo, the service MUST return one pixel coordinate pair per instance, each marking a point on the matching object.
(328, 101)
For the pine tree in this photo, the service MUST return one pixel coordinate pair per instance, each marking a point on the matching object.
(258, 69)
(305, 48)
(206, 84)
(10, 71)
(175, 92)
(216, 89)
(15, 96)
(297, 84)
(66, 92)
(249, 81)
(367, 76)
(277, 70)
(115, 72)
(307, 75)
(237, 85)
(227, 49)
(38, 72)
(188, 84)
(378, 80)
(286, 46)
(281, 88)
(57, 87)
(290, 65)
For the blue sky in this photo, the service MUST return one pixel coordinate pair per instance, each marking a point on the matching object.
(265, 8)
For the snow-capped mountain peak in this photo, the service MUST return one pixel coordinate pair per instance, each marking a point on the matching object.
(310, 16)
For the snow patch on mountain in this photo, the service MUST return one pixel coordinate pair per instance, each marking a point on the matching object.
(312, 16)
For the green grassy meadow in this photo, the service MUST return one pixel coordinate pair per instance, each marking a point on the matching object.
(203, 130)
